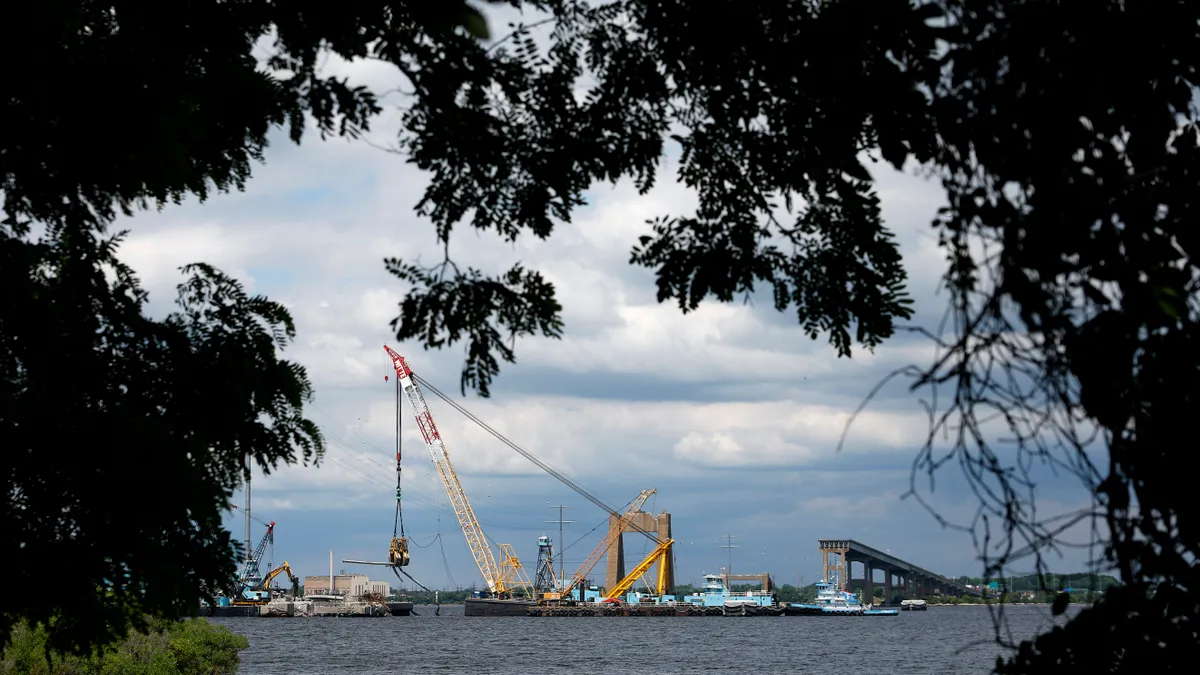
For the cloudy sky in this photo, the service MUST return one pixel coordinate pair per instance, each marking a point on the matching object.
(731, 413)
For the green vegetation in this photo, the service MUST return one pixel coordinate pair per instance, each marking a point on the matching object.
(454, 597)
(193, 647)
(1046, 582)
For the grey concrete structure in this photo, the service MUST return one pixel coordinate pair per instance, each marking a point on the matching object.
(900, 580)
(615, 559)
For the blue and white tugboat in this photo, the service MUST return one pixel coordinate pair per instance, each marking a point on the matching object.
(718, 600)
(834, 601)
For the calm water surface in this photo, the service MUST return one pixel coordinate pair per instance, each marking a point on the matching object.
(940, 640)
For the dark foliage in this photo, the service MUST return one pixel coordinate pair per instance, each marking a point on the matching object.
(123, 436)
(1065, 136)
(771, 103)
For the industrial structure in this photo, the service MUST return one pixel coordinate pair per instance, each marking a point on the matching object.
(900, 579)
(545, 580)
(642, 522)
(507, 583)
(502, 574)
(351, 585)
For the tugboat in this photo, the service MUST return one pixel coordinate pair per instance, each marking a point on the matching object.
(833, 601)
(717, 599)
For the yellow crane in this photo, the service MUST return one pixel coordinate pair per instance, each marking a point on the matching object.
(602, 548)
(503, 576)
(661, 553)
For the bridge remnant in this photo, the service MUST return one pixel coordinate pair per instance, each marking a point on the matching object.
(901, 579)
(647, 522)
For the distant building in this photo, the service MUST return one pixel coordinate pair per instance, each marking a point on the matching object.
(345, 584)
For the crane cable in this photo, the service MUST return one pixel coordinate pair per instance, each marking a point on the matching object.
(562, 478)
(398, 524)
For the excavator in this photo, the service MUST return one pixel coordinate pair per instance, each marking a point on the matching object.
(285, 567)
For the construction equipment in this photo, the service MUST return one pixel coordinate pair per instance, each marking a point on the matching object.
(285, 567)
(502, 577)
(249, 584)
(660, 553)
(601, 549)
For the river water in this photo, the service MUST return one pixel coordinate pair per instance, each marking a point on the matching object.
(939, 640)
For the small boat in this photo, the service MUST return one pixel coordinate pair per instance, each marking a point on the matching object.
(917, 605)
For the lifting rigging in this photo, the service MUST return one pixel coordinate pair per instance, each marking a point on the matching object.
(398, 555)
(502, 577)
(562, 478)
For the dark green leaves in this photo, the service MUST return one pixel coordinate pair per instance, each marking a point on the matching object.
(770, 102)
(446, 305)
(124, 436)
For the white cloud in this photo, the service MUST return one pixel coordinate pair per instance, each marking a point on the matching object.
(636, 394)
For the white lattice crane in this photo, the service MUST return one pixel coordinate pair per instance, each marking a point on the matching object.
(501, 577)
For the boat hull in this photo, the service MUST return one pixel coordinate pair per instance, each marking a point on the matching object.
(496, 607)
(228, 610)
(400, 608)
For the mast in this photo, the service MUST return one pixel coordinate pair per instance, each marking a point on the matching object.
(248, 542)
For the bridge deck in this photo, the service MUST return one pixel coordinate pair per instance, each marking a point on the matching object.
(862, 549)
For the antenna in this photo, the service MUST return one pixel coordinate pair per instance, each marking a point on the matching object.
(729, 545)
(562, 572)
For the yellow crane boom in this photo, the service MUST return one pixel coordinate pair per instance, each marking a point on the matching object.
(660, 553)
(501, 577)
(602, 548)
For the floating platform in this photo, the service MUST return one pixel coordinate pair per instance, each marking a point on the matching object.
(402, 608)
(329, 607)
(229, 610)
(653, 610)
(497, 607)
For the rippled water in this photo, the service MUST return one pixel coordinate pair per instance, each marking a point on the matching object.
(939, 640)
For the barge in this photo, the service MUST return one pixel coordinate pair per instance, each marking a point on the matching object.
(715, 599)
(485, 606)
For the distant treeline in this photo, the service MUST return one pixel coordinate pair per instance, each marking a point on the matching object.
(1079, 581)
